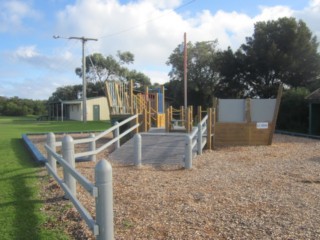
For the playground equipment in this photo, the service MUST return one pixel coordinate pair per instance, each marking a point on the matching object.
(123, 102)
(233, 121)
(246, 121)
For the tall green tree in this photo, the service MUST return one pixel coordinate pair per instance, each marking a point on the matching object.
(71, 92)
(101, 68)
(231, 66)
(203, 76)
(280, 51)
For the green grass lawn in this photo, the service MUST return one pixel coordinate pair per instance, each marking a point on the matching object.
(20, 215)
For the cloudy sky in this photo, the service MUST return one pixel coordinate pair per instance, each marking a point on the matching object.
(33, 64)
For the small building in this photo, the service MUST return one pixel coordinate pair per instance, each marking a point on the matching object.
(314, 112)
(97, 109)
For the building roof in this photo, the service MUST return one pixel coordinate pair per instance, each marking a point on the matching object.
(80, 100)
(314, 96)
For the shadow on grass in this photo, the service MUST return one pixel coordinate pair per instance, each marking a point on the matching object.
(26, 203)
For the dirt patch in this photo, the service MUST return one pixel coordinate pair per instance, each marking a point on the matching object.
(262, 192)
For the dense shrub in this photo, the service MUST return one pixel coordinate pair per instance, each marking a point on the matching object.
(293, 112)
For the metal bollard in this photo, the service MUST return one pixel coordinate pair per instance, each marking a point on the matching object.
(117, 133)
(188, 152)
(137, 150)
(199, 150)
(92, 147)
(104, 201)
(51, 142)
(68, 155)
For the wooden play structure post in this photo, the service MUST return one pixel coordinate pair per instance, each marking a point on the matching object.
(163, 100)
(189, 119)
(149, 116)
(144, 121)
(170, 114)
(199, 114)
(131, 97)
(247, 110)
(147, 93)
(209, 129)
(156, 115)
(182, 116)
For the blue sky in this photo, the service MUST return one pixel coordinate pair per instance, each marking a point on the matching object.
(33, 64)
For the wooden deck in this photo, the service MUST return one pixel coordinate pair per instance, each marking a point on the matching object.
(158, 148)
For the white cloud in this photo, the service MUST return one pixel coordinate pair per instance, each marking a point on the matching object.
(230, 28)
(26, 52)
(36, 87)
(148, 31)
(273, 13)
(13, 13)
(315, 5)
(158, 76)
(162, 4)
(60, 61)
(311, 16)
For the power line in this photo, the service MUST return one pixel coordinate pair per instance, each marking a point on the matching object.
(147, 22)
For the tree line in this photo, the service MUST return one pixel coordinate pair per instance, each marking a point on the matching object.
(21, 107)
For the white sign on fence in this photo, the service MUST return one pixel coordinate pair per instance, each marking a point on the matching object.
(262, 125)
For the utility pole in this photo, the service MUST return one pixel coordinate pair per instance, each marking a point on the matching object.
(185, 56)
(84, 82)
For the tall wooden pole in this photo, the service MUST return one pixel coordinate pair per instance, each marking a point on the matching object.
(185, 71)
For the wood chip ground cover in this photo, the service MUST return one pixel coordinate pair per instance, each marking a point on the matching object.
(260, 192)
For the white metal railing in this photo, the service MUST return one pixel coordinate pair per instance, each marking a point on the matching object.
(102, 226)
(94, 139)
(195, 138)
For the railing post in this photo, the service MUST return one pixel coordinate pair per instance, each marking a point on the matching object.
(199, 138)
(92, 147)
(117, 133)
(68, 155)
(51, 142)
(104, 201)
(188, 152)
(137, 150)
